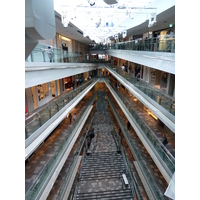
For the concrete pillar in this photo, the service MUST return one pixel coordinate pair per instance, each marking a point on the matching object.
(144, 73)
(170, 84)
(29, 100)
(158, 77)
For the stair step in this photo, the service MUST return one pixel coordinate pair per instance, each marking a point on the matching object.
(103, 170)
(102, 174)
(112, 194)
(102, 164)
(96, 176)
(102, 167)
(104, 159)
(102, 153)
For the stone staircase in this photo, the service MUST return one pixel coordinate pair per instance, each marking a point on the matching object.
(101, 171)
(101, 177)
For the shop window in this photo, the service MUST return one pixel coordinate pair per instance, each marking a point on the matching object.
(147, 74)
(53, 89)
(34, 96)
(153, 76)
(42, 91)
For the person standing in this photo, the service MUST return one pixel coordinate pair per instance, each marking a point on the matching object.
(130, 69)
(70, 117)
(128, 125)
(165, 142)
(74, 117)
(50, 53)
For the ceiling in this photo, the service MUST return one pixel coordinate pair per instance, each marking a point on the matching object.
(99, 19)
(71, 31)
(163, 20)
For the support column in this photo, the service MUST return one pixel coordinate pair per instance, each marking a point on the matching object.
(170, 84)
(29, 100)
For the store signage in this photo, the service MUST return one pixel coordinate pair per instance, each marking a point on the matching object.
(25, 107)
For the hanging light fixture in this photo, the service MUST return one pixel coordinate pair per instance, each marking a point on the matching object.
(65, 20)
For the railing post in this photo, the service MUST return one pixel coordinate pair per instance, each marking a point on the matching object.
(43, 56)
(57, 106)
(39, 121)
(160, 99)
(172, 46)
(49, 112)
(156, 44)
(32, 57)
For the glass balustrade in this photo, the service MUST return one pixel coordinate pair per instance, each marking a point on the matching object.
(163, 44)
(164, 154)
(40, 54)
(49, 166)
(132, 180)
(137, 155)
(42, 116)
(71, 168)
(167, 102)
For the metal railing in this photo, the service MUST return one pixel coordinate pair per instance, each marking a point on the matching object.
(70, 171)
(37, 186)
(40, 54)
(164, 100)
(48, 111)
(137, 155)
(163, 44)
(132, 180)
(146, 131)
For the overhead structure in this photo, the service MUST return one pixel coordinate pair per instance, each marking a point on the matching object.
(101, 19)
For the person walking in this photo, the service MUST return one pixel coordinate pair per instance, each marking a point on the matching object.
(165, 142)
(70, 117)
(74, 117)
(128, 125)
(130, 69)
(50, 53)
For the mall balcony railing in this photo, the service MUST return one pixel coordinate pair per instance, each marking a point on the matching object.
(137, 155)
(129, 173)
(146, 131)
(64, 185)
(40, 54)
(164, 100)
(49, 167)
(159, 44)
(36, 120)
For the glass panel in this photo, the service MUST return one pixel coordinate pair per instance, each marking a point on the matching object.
(51, 109)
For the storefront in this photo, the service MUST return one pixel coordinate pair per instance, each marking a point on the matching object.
(164, 40)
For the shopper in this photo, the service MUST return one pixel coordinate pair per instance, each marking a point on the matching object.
(74, 117)
(70, 117)
(165, 142)
(50, 53)
(128, 125)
